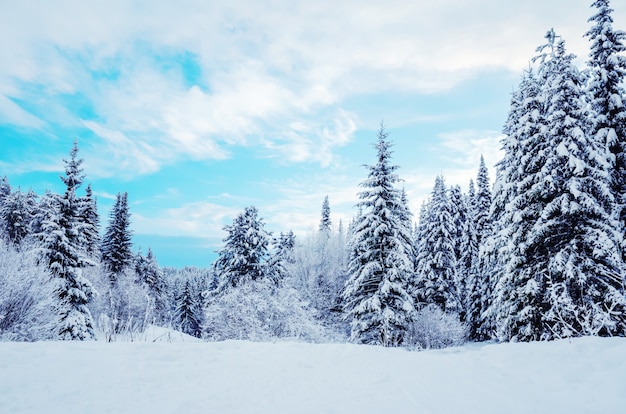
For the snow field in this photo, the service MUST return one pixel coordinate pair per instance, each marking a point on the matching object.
(586, 375)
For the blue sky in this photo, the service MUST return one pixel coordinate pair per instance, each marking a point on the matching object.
(201, 108)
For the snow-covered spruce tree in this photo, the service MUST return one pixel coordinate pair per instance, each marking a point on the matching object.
(5, 188)
(150, 275)
(570, 246)
(483, 202)
(282, 254)
(325, 221)
(63, 244)
(465, 246)
(188, 313)
(375, 296)
(91, 219)
(584, 270)
(436, 260)
(245, 253)
(116, 243)
(518, 299)
(15, 216)
(607, 67)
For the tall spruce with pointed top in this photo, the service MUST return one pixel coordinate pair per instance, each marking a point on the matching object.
(465, 246)
(63, 248)
(150, 275)
(91, 219)
(375, 296)
(187, 314)
(325, 221)
(117, 241)
(483, 201)
(436, 260)
(518, 299)
(607, 67)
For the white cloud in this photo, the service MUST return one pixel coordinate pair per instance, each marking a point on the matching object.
(12, 113)
(271, 67)
(198, 219)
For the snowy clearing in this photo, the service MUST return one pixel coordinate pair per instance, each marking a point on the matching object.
(586, 375)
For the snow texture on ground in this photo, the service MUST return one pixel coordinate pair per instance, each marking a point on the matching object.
(585, 375)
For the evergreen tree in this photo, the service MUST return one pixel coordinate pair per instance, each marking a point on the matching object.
(245, 253)
(282, 255)
(564, 274)
(15, 216)
(375, 295)
(150, 275)
(91, 221)
(325, 222)
(188, 311)
(607, 66)
(518, 294)
(63, 248)
(465, 246)
(116, 244)
(483, 201)
(436, 261)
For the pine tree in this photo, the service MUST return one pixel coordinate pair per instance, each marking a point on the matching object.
(116, 243)
(483, 201)
(564, 274)
(150, 275)
(188, 312)
(375, 295)
(5, 188)
(63, 248)
(91, 220)
(325, 222)
(465, 246)
(518, 303)
(282, 255)
(15, 217)
(245, 253)
(607, 66)
(436, 261)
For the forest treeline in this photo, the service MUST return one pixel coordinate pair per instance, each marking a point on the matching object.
(538, 255)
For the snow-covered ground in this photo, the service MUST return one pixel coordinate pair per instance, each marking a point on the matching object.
(586, 375)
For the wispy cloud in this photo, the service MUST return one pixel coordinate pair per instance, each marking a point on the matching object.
(197, 219)
(266, 70)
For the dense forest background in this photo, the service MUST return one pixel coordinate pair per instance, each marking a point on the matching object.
(537, 255)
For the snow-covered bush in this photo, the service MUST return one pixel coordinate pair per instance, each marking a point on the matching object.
(260, 311)
(434, 328)
(126, 308)
(26, 296)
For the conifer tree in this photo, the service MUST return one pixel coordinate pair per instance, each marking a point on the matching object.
(375, 296)
(483, 201)
(325, 221)
(15, 217)
(116, 243)
(245, 253)
(565, 271)
(188, 311)
(150, 275)
(436, 261)
(607, 66)
(91, 220)
(465, 245)
(518, 293)
(282, 255)
(63, 248)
